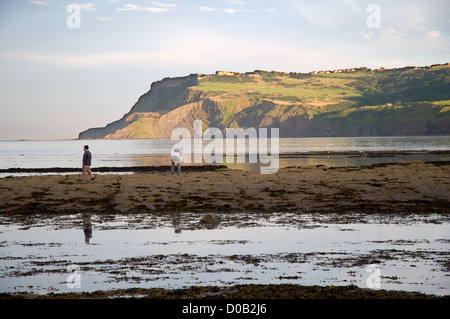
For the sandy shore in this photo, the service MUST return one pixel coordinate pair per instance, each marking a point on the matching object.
(401, 188)
(412, 187)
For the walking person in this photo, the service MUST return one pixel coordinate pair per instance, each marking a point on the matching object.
(176, 156)
(87, 159)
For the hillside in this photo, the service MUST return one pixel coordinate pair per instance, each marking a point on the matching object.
(350, 102)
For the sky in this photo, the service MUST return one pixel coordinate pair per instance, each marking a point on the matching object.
(68, 66)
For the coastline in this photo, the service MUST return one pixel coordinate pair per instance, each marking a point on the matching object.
(399, 188)
(390, 189)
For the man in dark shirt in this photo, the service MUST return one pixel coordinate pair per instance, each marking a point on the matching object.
(87, 158)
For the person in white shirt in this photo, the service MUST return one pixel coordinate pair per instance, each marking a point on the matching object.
(176, 156)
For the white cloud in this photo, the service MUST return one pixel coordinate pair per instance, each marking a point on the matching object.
(390, 31)
(225, 51)
(433, 34)
(166, 5)
(206, 9)
(354, 7)
(223, 10)
(84, 6)
(105, 19)
(134, 7)
(367, 35)
(155, 10)
(238, 2)
(41, 3)
(87, 7)
(321, 16)
(229, 10)
(269, 9)
(129, 7)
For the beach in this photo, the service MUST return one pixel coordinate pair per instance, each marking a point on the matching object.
(401, 188)
(331, 194)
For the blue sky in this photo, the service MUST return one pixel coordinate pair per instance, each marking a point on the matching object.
(56, 81)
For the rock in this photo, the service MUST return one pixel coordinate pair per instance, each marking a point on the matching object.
(210, 220)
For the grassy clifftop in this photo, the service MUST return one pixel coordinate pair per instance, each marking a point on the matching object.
(406, 101)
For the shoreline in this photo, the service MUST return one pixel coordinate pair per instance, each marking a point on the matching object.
(193, 167)
(345, 193)
(399, 188)
(247, 292)
(122, 169)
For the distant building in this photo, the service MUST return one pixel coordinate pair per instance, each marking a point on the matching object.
(253, 75)
(227, 73)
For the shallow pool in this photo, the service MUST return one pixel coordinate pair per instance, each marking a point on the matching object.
(76, 253)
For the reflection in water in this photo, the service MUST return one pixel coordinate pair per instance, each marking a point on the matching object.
(210, 221)
(87, 227)
(176, 223)
(155, 152)
(287, 160)
(142, 251)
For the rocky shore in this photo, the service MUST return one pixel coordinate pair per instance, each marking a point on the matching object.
(401, 188)
(392, 189)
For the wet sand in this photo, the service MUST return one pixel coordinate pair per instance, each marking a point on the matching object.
(401, 188)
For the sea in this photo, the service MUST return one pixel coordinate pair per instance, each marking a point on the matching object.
(334, 152)
(39, 253)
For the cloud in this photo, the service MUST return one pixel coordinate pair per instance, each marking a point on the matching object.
(227, 52)
(229, 10)
(320, 15)
(134, 7)
(238, 2)
(129, 7)
(222, 10)
(105, 19)
(367, 35)
(87, 7)
(41, 3)
(166, 5)
(84, 6)
(390, 31)
(155, 10)
(206, 9)
(433, 34)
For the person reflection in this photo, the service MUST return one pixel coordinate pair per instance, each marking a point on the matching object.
(87, 227)
(176, 223)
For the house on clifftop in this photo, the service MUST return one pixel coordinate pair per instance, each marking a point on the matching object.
(225, 73)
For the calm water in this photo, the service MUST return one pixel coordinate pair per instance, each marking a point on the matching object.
(118, 153)
(411, 252)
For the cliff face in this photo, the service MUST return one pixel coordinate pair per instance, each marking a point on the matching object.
(147, 118)
(299, 105)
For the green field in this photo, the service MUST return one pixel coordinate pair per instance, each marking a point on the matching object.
(405, 101)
